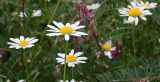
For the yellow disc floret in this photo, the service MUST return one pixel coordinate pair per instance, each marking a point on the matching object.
(135, 12)
(106, 47)
(71, 58)
(66, 30)
(23, 43)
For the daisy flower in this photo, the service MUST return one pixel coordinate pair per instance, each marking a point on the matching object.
(36, 13)
(108, 48)
(147, 5)
(71, 59)
(134, 12)
(22, 42)
(66, 30)
(93, 6)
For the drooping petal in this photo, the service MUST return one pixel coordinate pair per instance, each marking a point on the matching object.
(66, 37)
(108, 54)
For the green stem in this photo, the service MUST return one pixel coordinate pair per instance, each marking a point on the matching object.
(133, 43)
(26, 66)
(65, 65)
(72, 73)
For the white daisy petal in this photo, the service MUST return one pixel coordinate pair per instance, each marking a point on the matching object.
(52, 27)
(80, 33)
(61, 55)
(59, 25)
(33, 41)
(136, 21)
(76, 35)
(54, 34)
(72, 52)
(66, 37)
(144, 18)
(22, 38)
(108, 54)
(78, 54)
(131, 19)
(16, 40)
(14, 44)
(81, 58)
(75, 24)
(79, 27)
(81, 62)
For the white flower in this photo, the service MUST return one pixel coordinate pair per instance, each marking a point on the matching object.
(66, 30)
(108, 48)
(147, 5)
(71, 59)
(21, 80)
(36, 13)
(22, 42)
(134, 12)
(93, 6)
(21, 14)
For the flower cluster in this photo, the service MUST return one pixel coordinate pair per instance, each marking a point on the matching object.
(135, 11)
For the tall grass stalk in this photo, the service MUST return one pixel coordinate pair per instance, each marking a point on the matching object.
(65, 65)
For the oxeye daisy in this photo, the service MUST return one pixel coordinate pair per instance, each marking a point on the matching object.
(134, 12)
(147, 5)
(22, 42)
(72, 59)
(93, 6)
(66, 30)
(107, 47)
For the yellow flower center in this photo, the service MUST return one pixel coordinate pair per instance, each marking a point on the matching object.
(135, 12)
(23, 43)
(106, 47)
(66, 30)
(71, 58)
(146, 5)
